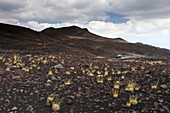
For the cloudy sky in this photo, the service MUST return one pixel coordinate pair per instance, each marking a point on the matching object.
(146, 21)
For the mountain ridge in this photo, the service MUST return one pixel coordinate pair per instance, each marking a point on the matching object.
(71, 39)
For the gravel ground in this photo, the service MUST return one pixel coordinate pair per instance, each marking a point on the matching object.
(82, 84)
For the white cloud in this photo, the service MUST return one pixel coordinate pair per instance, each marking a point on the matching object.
(55, 10)
(10, 21)
(82, 11)
(11, 5)
(141, 9)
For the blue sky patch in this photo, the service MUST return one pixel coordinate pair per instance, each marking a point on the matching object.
(116, 18)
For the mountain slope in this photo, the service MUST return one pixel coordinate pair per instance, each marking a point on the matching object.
(75, 32)
(81, 38)
(71, 39)
(71, 31)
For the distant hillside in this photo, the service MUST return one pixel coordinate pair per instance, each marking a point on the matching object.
(73, 40)
(75, 32)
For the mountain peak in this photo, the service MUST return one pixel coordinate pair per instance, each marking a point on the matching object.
(69, 30)
(77, 28)
(74, 27)
(120, 39)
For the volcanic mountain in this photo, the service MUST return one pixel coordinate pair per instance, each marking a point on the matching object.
(71, 39)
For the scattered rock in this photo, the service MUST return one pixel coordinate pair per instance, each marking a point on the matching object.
(162, 110)
(164, 86)
(47, 104)
(165, 108)
(14, 109)
(161, 100)
(69, 102)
